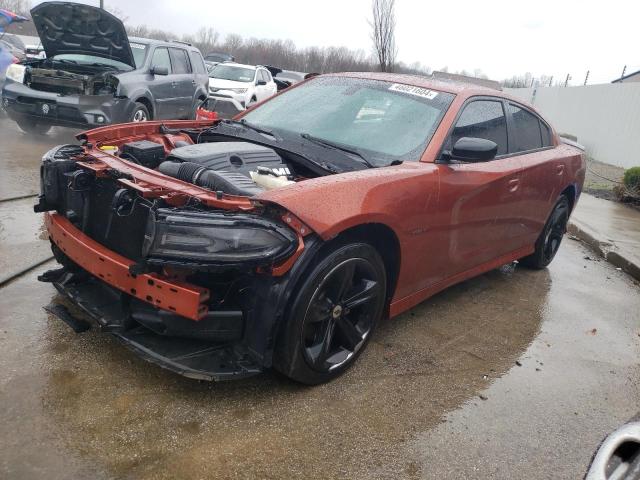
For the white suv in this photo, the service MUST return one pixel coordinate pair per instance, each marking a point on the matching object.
(242, 85)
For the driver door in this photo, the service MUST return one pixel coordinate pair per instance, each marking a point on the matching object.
(481, 200)
(161, 86)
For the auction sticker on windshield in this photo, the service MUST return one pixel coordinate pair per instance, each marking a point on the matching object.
(411, 90)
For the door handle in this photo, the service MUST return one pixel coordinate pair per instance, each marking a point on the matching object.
(174, 84)
(559, 169)
(514, 183)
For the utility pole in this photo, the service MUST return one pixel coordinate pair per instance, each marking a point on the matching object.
(586, 77)
(566, 82)
(102, 4)
(624, 70)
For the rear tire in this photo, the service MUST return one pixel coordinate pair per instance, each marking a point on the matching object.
(140, 113)
(33, 127)
(333, 315)
(550, 238)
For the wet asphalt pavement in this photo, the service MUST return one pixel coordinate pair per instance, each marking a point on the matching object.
(515, 374)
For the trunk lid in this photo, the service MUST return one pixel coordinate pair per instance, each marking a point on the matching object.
(72, 28)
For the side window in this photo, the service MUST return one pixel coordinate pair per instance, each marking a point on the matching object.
(198, 63)
(546, 134)
(482, 119)
(526, 130)
(180, 61)
(161, 59)
(262, 75)
(266, 76)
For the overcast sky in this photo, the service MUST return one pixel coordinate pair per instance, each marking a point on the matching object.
(500, 37)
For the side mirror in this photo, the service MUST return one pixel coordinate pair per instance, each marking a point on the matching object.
(261, 82)
(157, 70)
(472, 149)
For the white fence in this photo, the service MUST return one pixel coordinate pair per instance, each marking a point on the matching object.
(605, 118)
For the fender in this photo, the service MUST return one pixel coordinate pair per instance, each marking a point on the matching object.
(332, 204)
(137, 93)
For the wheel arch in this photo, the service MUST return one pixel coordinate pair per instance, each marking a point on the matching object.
(571, 193)
(147, 103)
(384, 239)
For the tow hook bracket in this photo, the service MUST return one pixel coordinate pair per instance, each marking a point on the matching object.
(77, 325)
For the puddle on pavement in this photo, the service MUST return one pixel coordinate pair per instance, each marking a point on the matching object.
(109, 409)
(21, 154)
(85, 407)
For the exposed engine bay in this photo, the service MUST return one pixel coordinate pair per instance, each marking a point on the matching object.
(51, 76)
(233, 168)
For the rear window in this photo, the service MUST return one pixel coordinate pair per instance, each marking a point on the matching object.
(546, 135)
(180, 61)
(526, 130)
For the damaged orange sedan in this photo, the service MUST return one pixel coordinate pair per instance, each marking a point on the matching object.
(282, 237)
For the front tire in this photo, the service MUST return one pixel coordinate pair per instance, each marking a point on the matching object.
(140, 113)
(550, 238)
(33, 127)
(333, 315)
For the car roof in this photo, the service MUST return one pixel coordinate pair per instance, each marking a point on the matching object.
(242, 65)
(456, 87)
(167, 43)
(443, 85)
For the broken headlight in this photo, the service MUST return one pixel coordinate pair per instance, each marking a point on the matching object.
(216, 238)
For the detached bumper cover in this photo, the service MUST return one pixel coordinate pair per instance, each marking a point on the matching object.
(65, 110)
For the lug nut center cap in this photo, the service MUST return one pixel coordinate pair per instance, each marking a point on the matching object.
(337, 311)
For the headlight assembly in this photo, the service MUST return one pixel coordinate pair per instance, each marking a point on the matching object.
(216, 238)
(15, 72)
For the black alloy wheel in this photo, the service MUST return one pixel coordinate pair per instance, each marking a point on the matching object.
(551, 236)
(341, 314)
(333, 315)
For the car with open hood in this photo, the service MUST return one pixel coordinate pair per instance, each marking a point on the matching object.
(94, 74)
(280, 238)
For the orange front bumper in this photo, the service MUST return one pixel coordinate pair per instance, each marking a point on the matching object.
(178, 297)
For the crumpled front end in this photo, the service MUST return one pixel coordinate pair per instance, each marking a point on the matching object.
(191, 279)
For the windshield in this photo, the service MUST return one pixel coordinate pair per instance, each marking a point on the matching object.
(382, 120)
(229, 72)
(139, 52)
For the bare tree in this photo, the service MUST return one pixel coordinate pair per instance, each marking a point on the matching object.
(383, 25)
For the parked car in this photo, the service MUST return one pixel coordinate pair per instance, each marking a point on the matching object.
(82, 83)
(281, 238)
(284, 78)
(16, 52)
(240, 85)
(15, 41)
(6, 59)
(214, 57)
(35, 52)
